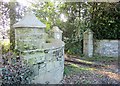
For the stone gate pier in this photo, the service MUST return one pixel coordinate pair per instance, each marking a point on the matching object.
(43, 52)
(88, 43)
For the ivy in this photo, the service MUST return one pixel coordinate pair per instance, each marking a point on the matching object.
(16, 73)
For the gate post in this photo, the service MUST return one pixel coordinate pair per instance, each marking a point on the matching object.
(88, 43)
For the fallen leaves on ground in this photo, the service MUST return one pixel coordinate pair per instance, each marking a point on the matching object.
(85, 74)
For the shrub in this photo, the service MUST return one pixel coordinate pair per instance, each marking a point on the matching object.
(16, 73)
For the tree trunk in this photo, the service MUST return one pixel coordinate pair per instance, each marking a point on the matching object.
(12, 16)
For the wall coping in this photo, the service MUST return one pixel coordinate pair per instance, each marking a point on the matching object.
(106, 40)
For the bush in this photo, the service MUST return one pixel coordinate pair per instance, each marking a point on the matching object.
(16, 73)
(5, 45)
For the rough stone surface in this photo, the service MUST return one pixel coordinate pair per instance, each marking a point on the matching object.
(57, 33)
(109, 48)
(45, 59)
(49, 77)
(30, 20)
(29, 38)
(88, 43)
(1, 61)
(0, 52)
(106, 48)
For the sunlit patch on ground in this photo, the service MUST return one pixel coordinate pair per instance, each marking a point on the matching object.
(77, 73)
(115, 76)
(5, 45)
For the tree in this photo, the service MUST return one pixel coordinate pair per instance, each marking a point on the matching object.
(50, 14)
(11, 12)
(12, 16)
(105, 20)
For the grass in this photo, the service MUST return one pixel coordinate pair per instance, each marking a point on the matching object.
(6, 45)
(70, 69)
(90, 73)
(100, 59)
(86, 73)
(74, 69)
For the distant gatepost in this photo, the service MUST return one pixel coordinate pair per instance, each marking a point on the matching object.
(88, 43)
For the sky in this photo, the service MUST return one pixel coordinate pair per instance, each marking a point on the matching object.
(23, 3)
(27, 3)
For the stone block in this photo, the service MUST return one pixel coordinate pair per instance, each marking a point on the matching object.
(48, 79)
(39, 79)
(49, 66)
(57, 64)
(62, 64)
(31, 61)
(35, 70)
(107, 48)
(58, 76)
(42, 68)
(48, 56)
(40, 58)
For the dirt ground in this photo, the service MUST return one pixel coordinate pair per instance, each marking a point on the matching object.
(79, 71)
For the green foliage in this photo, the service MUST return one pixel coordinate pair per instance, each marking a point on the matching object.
(98, 58)
(47, 13)
(71, 69)
(105, 20)
(10, 13)
(5, 46)
(16, 73)
(73, 28)
(102, 18)
(74, 69)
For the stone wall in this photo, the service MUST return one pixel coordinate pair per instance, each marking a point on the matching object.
(29, 38)
(0, 62)
(43, 53)
(48, 67)
(0, 51)
(106, 48)
(46, 59)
